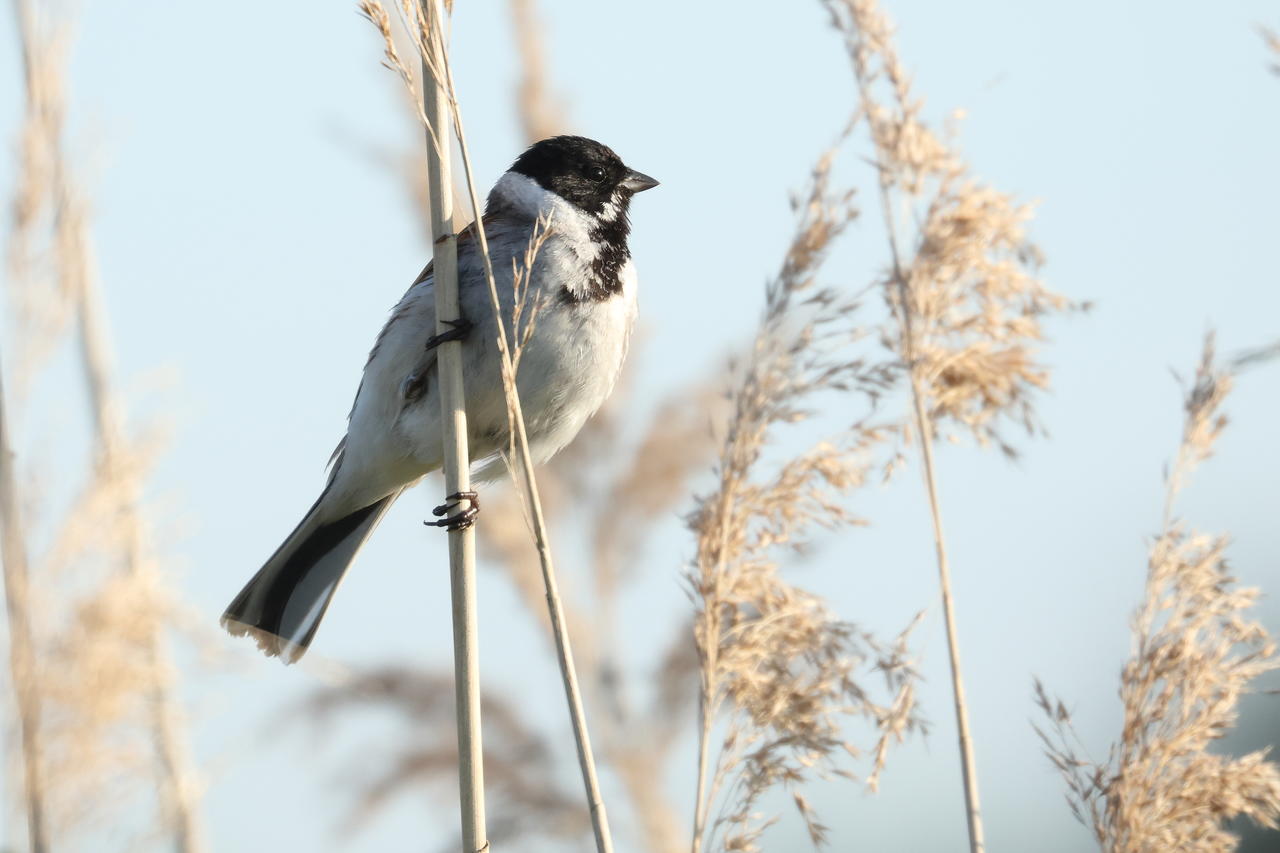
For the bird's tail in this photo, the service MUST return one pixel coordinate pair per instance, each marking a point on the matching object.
(283, 605)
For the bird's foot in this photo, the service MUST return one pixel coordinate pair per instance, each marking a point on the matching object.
(462, 520)
(458, 330)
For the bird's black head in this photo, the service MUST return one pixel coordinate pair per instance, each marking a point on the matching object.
(582, 172)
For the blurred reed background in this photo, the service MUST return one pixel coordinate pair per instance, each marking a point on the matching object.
(753, 702)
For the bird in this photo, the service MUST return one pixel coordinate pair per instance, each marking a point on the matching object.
(584, 283)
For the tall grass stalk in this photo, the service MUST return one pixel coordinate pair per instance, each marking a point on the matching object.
(533, 504)
(176, 785)
(969, 770)
(457, 459)
(964, 295)
(47, 191)
(427, 31)
(924, 431)
(22, 666)
(13, 545)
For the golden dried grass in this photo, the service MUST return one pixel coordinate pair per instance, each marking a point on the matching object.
(962, 281)
(778, 671)
(97, 616)
(962, 288)
(1196, 651)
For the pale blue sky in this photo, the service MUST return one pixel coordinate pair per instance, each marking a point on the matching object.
(246, 244)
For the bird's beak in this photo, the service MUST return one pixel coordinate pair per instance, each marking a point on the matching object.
(638, 182)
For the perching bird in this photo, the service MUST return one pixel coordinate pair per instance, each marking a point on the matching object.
(585, 284)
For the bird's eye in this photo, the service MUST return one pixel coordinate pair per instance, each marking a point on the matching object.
(595, 173)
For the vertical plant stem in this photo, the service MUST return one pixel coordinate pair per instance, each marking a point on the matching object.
(175, 783)
(457, 459)
(924, 430)
(969, 771)
(707, 699)
(564, 656)
(22, 662)
(13, 547)
(555, 608)
(704, 758)
(564, 651)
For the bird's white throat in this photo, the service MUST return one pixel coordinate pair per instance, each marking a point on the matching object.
(524, 196)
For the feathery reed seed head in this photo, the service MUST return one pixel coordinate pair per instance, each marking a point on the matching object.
(778, 669)
(963, 284)
(1196, 652)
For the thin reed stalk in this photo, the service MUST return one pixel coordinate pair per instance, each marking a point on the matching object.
(47, 184)
(964, 295)
(175, 783)
(22, 665)
(457, 458)
(564, 652)
(13, 545)
(969, 770)
(427, 32)
(924, 434)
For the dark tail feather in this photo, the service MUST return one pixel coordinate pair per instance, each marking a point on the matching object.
(283, 605)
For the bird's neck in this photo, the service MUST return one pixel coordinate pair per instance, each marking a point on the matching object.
(599, 241)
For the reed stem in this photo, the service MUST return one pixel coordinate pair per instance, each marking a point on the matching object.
(457, 459)
(22, 663)
(564, 651)
(555, 609)
(969, 771)
(175, 785)
(924, 431)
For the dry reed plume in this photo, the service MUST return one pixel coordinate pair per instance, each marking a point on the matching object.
(962, 282)
(962, 289)
(104, 709)
(22, 669)
(1196, 652)
(777, 669)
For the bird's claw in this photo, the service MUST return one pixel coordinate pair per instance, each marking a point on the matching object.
(462, 520)
(458, 330)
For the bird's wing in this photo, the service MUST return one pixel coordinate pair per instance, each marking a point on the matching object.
(413, 317)
(399, 350)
